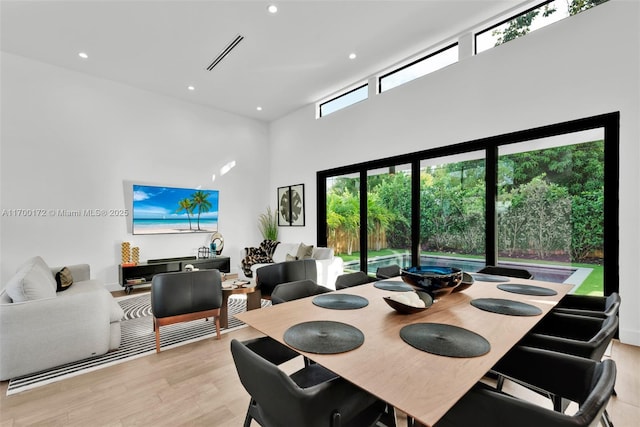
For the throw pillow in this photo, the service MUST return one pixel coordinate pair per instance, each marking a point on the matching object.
(304, 251)
(29, 284)
(64, 279)
(290, 257)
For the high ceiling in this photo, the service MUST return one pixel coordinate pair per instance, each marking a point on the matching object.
(285, 61)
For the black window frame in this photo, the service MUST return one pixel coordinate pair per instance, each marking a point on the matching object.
(342, 95)
(609, 122)
(511, 18)
(412, 63)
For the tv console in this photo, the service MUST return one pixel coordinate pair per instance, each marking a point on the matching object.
(142, 273)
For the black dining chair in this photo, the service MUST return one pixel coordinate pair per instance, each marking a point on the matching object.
(499, 270)
(310, 397)
(352, 279)
(295, 290)
(587, 305)
(581, 336)
(388, 272)
(585, 381)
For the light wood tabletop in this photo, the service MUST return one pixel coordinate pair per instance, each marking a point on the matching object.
(421, 384)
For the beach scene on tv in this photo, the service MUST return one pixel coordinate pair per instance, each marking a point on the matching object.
(163, 210)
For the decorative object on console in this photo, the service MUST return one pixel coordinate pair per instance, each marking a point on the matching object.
(291, 205)
(162, 210)
(135, 255)
(126, 252)
(218, 241)
(203, 252)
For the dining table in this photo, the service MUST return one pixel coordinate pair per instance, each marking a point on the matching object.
(422, 384)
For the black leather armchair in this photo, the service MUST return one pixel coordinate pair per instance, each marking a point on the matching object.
(270, 276)
(311, 397)
(185, 296)
(587, 382)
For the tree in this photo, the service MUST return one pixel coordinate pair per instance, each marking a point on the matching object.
(185, 205)
(199, 200)
(587, 235)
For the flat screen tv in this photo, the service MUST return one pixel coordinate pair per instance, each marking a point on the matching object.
(163, 210)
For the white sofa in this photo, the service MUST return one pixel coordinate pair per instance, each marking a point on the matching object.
(329, 266)
(41, 328)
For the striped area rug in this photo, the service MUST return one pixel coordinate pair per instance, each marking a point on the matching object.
(138, 339)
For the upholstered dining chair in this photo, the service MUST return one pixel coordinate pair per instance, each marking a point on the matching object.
(388, 272)
(519, 273)
(295, 290)
(587, 305)
(585, 381)
(270, 276)
(348, 280)
(184, 296)
(310, 397)
(581, 336)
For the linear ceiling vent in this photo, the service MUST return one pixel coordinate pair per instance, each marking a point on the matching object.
(225, 52)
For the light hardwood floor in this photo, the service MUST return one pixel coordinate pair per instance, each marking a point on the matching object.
(197, 384)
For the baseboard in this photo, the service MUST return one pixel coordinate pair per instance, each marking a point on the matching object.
(629, 336)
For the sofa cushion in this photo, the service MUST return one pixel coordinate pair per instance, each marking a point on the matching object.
(64, 279)
(304, 251)
(290, 257)
(322, 253)
(38, 262)
(30, 283)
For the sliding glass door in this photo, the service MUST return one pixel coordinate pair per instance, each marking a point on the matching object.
(550, 208)
(452, 211)
(534, 199)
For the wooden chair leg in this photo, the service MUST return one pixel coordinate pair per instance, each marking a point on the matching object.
(217, 319)
(156, 328)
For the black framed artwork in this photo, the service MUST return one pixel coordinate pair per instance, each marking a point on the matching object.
(291, 205)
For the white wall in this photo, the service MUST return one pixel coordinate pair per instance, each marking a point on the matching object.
(70, 141)
(583, 66)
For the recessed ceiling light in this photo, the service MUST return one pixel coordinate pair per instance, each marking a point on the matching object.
(272, 8)
(191, 87)
(352, 56)
(259, 108)
(83, 55)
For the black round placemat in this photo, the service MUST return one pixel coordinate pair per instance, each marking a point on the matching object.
(517, 288)
(390, 285)
(489, 278)
(445, 340)
(324, 337)
(505, 306)
(340, 301)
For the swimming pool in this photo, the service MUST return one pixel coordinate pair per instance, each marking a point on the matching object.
(549, 273)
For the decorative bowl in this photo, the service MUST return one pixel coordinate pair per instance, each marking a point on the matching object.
(437, 281)
(467, 280)
(409, 309)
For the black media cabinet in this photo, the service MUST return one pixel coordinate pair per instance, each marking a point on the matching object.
(142, 273)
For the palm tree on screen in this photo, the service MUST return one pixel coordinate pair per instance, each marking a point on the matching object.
(185, 205)
(199, 200)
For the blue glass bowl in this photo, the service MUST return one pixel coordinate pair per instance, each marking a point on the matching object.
(437, 281)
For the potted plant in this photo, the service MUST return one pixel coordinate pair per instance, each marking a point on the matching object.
(268, 224)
